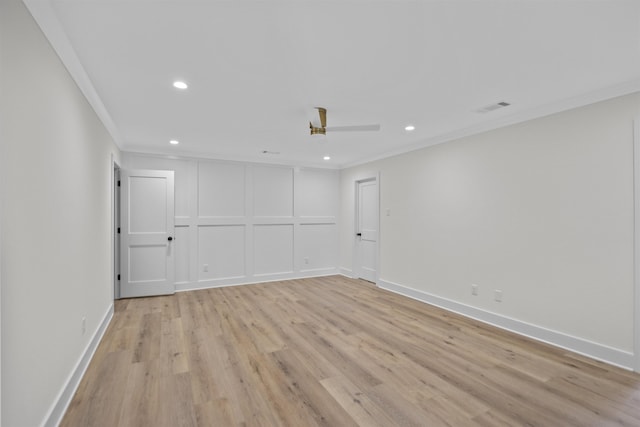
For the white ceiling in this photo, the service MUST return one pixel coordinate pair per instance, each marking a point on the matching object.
(256, 69)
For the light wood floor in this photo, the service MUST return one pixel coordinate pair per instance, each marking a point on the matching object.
(334, 352)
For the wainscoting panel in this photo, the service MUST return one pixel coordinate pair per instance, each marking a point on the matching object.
(240, 223)
(272, 249)
(221, 190)
(314, 239)
(221, 250)
(272, 192)
(181, 245)
(316, 193)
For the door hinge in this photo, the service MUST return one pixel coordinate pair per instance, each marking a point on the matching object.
(118, 230)
(118, 183)
(118, 277)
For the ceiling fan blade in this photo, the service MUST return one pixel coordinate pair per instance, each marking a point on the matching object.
(357, 128)
(323, 116)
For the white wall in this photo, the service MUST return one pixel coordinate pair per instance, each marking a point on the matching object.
(55, 170)
(249, 222)
(542, 210)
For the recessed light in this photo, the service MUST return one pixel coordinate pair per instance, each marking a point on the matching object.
(180, 85)
(327, 158)
(409, 128)
(174, 142)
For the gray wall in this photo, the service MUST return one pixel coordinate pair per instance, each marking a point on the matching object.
(542, 210)
(55, 169)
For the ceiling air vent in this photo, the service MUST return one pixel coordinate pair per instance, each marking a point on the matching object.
(492, 107)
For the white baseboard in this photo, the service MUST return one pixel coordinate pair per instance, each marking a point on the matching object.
(249, 280)
(61, 404)
(347, 272)
(591, 349)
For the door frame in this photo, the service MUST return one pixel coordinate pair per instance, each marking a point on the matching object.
(355, 256)
(115, 224)
(636, 244)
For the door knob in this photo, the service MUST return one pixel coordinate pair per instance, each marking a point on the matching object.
(359, 234)
(169, 238)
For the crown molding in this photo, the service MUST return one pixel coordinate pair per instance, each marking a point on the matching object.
(46, 18)
(582, 100)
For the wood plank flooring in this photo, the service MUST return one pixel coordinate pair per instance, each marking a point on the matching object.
(334, 352)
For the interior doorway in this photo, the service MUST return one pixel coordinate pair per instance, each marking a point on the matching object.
(146, 235)
(366, 230)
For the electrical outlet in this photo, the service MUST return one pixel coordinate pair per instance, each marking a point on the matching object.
(84, 325)
(474, 289)
(497, 295)
(205, 268)
(306, 260)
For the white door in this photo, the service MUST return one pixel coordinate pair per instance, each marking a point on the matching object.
(147, 231)
(367, 229)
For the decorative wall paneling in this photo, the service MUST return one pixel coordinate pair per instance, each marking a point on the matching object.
(242, 223)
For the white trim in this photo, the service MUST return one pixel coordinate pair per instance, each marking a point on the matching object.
(43, 13)
(45, 16)
(1, 262)
(346, 272)
(239, 281)
(58, 409)
(582, 100)
(115, 241)
(187, 154)
(636, 242)
(613, 356)
(319, 271)
(374, 176)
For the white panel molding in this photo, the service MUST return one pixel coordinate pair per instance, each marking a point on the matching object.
(282, 274)
(229, 279)
(578, 345)
(249, 260)
(217, 219)
(314, 193)
(181, 257)
(222, 248)
(636, 243)
(324, 270)
(192, 202)
(254, 279)
(317, 219)
(279, 253)
(273, 195)
(221, 188)
(273, 220)
(212, 221)
(346, 272)
(62, 401)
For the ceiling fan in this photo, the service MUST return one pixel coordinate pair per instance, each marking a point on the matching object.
(323, 129)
